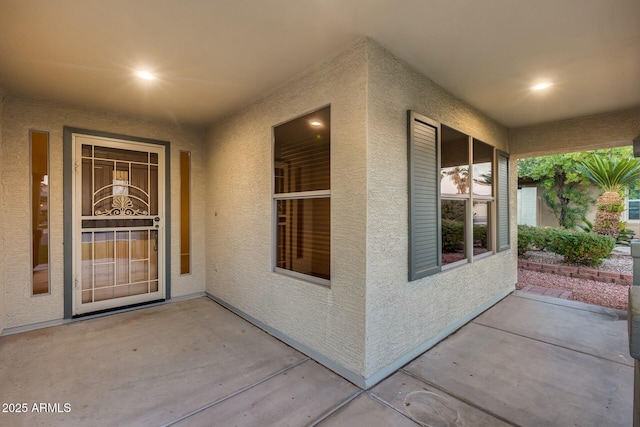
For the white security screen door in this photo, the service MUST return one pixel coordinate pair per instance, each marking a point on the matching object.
(118, 223)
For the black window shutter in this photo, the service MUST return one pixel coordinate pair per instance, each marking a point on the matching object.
(503, 202)
(424, 196)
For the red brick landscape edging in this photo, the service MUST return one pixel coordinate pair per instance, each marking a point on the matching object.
(578, 272)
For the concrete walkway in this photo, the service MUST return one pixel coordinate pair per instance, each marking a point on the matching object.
(530, 360)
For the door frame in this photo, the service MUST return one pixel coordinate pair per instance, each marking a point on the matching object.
(68, 170)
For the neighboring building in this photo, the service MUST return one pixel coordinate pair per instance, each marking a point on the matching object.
(359, 212)
(532, 210)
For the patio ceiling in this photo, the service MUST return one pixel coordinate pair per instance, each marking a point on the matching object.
(212, 57)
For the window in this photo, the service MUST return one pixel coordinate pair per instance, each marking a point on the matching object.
(302, 196)
(39, 142)
(185, 212)
(454, 216)
(633, 210)
(465, 191)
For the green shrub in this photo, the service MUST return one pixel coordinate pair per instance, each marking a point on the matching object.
(530, 238)
(452, 235)
(579, 247)
(480, 235)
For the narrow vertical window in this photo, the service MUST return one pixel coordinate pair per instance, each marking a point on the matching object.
(302, 196)
(185, 212)
(483, 197)
(39, 148)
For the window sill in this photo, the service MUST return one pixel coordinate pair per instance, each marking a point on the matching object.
(483, 255)
(453, 265)
(304, 277)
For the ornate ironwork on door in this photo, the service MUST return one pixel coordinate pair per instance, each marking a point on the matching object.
(120, 223)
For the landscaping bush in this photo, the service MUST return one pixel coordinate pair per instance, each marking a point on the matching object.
(530, 238)
(579, 247)
(452, 235)
(480, 235)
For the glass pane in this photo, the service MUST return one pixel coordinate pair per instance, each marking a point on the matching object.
(304, 236)
(139, 271)
(122, 257)
(454, 213)
(482, 168)
(120, 154)
(454, 162)
(634, 209)
(302, 153)
(40, 211)
(86, 296)
(153, 193)
(153, 259)
(185, 212)
(87, 188)
(481, 227)
(87, 150)
(87, 260)
(139, 245)
(103, 247)
(104, 275)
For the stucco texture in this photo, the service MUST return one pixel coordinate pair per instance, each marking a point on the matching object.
(21, 115)
(607, 130)
(239, 212)
(402, 315)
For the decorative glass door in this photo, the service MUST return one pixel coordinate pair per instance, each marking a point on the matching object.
(118, 223)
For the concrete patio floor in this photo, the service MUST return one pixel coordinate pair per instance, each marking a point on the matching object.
(527, 361)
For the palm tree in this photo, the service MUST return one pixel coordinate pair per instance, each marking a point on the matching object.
(612, 176)
(459, 177)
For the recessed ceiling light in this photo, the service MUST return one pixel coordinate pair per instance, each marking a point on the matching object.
(315, 123)
(541, 86)
(145, 75)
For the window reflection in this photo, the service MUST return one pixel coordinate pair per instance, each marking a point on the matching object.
(453, 230)
(481, 227)
(482, 169)
(454, 166)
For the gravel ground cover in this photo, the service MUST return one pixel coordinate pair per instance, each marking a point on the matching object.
(587, 291)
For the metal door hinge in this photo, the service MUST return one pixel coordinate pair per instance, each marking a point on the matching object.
(75, 167)
(75, 283)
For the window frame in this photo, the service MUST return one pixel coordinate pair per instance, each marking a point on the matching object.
(628, 199)
(469, 199)
(300, 195)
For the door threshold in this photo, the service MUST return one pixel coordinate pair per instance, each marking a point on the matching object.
(116, 310)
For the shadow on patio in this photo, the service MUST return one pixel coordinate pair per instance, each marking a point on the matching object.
(526, 361)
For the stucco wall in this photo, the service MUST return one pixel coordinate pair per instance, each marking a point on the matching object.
(21, 115)
(607, 130)
(239, 228)
(546, 218)
(401, 315)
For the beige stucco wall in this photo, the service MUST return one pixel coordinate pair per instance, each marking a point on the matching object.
(546, 218)
(19, 116)
(401, 315)
(607, 130)
(239, 229)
